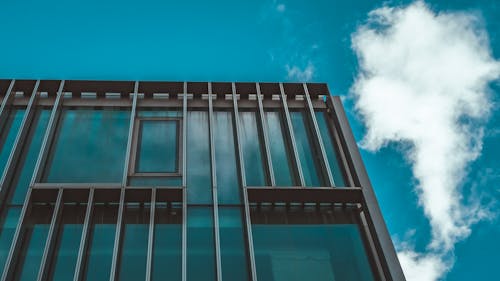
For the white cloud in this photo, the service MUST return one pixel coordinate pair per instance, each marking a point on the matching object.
(423, 81)
(297, 73)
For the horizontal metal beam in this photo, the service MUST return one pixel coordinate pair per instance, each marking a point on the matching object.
(304, 195)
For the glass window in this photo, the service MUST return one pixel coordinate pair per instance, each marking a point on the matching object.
(280, 152)
(330, 149)
(134, 246)
(167, 250)
(309, 160)
(96, 140)
(102, 239)
(228, 186)
(199, 173)
(252, 149)
(67, 243)
(7, 229)
(200, 244)
(158, 149)
(8, 134)
(233, 252)
(155, 181)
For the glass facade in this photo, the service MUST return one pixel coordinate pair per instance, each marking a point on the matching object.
(178, 181)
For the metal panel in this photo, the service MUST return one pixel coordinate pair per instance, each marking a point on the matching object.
(84, 239)
(265, 137)
(317, 136)
(118, 234)
(130, 134)
(149, 261)
(184, 191)
(384, 245)
(288, 125)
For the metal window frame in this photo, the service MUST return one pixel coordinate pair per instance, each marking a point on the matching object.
(265, 137)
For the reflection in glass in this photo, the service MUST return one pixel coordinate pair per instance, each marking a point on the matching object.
(158, 146)
(7, 229)
(232, 244)
(155, 181)
(8, 134)
(200, 244)
(252, 149)
(96, 141)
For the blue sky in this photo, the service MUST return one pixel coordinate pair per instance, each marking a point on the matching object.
(263, 41)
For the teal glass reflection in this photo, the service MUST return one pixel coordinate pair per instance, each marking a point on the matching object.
(299, 251)
(252, 149)
(34, 143)
(7, 229)
(100, 250)
(96, 141)
(200, 244)
(158, 146)
(167, 250)
(134, 247)
(8, 134)
(159, 113)
(280, 152)
(67, 243)
(33, 245)
(199, 177)
(309, 160)
(228, 187)
(330, 150)
(233, 252)
(155, 181)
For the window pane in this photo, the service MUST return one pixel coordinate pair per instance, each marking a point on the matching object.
(309, 160)
(200, 244)
(7, 229)
(232, 244)
(199, 177)
(330, 150)
(8, 135)
(280, 153)
(158, 147)
(155, 181)
(167, 250)
(228, 186)
(102, 238)
(252, 149)
(67, 243)
(35, 236)
(134, 242)
(95, 140)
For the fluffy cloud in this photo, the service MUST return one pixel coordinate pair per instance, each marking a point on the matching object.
(423, 81)
(297, 73)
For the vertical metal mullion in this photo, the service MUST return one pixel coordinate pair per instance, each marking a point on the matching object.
(248, 223)
(326, 165)
(130, 134)
(118, 234)
(214, 183)
(49, 243)
(7, 98)
(289, 126)
(184, 180)
(85, 235)
(263, 123)
(149, 261)
(20, 139)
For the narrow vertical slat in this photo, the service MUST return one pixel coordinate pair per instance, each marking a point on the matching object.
(84, 239)
(7, 98)
(184, 180)
(130, 134)
(265, 136)
(149, 261)
(116, 247)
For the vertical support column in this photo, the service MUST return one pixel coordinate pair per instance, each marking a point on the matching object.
(7, 99)
(149, 261)
(214, 183)
(317, 136)
(184, 180)
(376, 223)
(84, 239)
(49, 247)
(130, 134)
(118, 234)
(248, 223)
(265, 136)
(289, 126)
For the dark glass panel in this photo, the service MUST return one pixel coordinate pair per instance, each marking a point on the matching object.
(155, 181)
(228, 187)
(330, 150)
(67, 243)
(159, 113)
(280, 152)
(8, 134)
(96, 140)
(33, 245)
(167, 250)
(233, 253)
(200, 244)
(134, 248)
(158, 146)
(7, 229)
(102, 237)
(252, 149)
(309, 161)
(199, 177)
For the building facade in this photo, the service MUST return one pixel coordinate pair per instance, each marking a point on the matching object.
(124, 180)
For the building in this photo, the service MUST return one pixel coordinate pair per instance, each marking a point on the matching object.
(123, 180)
